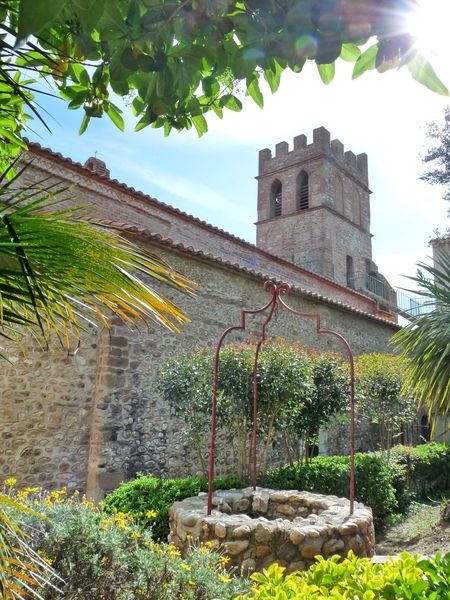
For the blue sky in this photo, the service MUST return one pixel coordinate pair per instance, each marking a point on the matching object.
(213, 177)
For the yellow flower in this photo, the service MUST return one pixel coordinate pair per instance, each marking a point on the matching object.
(172, 551)
(135, 535)
(186, 567)
(224, 560)
(104, 560)
(11, 481)
(225, 578)
(190, 582)
(151, 514)
(45, 557)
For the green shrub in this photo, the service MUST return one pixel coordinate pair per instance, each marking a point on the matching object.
(355, 577)
(426, 467)
(145, 495)
(103, 556)
(331, 474)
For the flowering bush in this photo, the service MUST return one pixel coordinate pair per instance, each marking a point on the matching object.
(149, 498)
(103, 556)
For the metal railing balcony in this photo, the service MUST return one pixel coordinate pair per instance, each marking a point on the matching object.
(391, 298)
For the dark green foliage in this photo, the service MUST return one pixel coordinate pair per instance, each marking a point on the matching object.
(298, 392)
(147, 493)
(438, 156)
(426, 339)
(426, 468)
(385, 486)
(379, 395)
(328, 395)
(179, 60)
(330, 475)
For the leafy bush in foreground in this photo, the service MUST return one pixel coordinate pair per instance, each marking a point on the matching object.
(385, 486)
(104, 556)
(409, 577)
(148, 499)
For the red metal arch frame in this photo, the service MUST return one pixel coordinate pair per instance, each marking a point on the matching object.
(277, 291)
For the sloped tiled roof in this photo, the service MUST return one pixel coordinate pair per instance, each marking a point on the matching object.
(36, 148)
(200, 254)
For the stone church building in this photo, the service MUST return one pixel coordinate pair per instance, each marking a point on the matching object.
(91, 420)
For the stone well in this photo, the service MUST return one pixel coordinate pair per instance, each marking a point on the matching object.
(258, 528)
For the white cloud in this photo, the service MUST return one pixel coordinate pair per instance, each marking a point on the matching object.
(193, 191)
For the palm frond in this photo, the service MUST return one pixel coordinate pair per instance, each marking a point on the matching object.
(59, 273)
(426, 340)
(23, 573)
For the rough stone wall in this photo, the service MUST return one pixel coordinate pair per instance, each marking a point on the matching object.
(46, 412)
(109, 200)
(95, 419)
(91, 420)
(261, 527)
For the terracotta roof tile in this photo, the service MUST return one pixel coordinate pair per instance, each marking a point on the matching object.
(156, 237)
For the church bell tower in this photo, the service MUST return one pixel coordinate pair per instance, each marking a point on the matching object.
(314, 208)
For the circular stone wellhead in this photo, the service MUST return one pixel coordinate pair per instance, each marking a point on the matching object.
(259, 527)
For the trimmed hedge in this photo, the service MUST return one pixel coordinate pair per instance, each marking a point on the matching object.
(147, 493)
(382, 485)
(374, 481)
(426, 468)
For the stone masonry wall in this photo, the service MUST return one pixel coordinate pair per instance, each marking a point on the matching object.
(93, 420)
(257, 528)
(112, 201)
(46, 412)
(90, 420)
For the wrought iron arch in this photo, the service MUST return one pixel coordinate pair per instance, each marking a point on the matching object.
(277, 291)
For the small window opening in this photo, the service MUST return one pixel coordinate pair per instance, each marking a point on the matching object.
(350, 273)
(276, 199)
(425, 429)
(303, 191)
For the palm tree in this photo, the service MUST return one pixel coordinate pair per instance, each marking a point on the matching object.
(58, 275)
(426, 340)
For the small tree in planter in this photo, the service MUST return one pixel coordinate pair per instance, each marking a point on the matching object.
(297, 393)
(327, 403)
(379, 382)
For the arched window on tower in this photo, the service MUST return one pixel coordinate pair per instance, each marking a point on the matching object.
(350, 272)
(302, 191)
(277, 197)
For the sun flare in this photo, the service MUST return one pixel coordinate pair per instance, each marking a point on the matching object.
(429, 24)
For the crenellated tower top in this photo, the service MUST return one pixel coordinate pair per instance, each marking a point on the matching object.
(322, 145)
